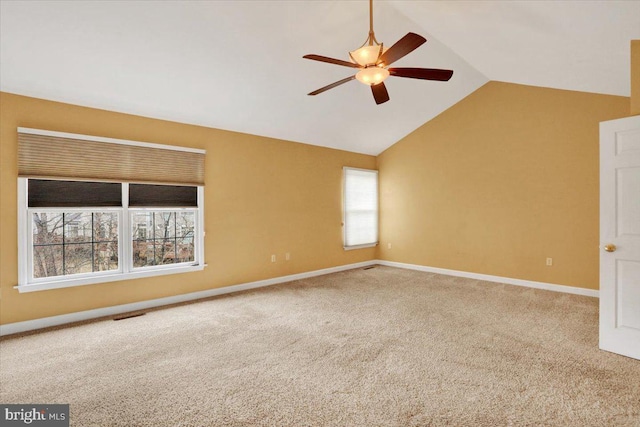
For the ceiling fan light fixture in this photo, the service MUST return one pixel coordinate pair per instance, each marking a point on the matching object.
(372, 75)
(372, 60)
(366, 55)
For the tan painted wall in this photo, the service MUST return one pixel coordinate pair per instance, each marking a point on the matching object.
(635, 77)
(499, 182)
(262, 196)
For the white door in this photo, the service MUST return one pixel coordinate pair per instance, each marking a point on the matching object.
(620, 236)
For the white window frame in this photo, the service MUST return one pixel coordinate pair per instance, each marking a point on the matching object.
(132, 211)
(344, 210)
(27, 283)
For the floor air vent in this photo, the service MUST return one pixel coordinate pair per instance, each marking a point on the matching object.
(129, 316)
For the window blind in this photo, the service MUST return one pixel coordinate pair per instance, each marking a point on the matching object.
(162, 195)
(360, 207)
(48, 154)
(59, 194)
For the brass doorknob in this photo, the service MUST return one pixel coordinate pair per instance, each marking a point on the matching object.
(610, 247)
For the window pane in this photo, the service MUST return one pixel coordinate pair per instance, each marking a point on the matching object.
(184, 249)
(165, 252)
(65, 243)
(143, 253)
(362, 228)
(47, 228)
(142, 226)
(77, 258)
(105, 256)
(165, 225)
(185, 222)
(47, 260)
(77, 227)
(162, 237)
(105, 227)
(362, 191)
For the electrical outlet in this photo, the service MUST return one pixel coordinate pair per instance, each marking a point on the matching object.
(389, 245)
(273, 258)
(549, 262)
(287, 256)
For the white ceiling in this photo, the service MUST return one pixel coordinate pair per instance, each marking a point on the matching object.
(237, 65)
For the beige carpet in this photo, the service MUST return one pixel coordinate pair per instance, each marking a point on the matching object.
(378, 347)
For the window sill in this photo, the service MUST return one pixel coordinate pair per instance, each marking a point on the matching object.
(67, 283)
(368, 245)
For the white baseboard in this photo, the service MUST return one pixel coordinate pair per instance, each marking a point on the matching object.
(498, 279)
(29, 325)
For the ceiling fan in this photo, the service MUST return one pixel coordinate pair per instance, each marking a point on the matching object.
(373, 60)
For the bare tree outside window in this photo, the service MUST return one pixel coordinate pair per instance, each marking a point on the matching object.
(74, 242)
(47, 244)
(162, 237)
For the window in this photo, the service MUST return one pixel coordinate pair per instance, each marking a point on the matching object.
(79, 232)
(103, 225)
(360, 208)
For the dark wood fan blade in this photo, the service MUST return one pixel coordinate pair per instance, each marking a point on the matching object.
(332, 85)
(405, 45)
(422, 73)
(332, 61)
(380, 93)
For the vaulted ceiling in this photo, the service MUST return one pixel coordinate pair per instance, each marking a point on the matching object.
(237, 65)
